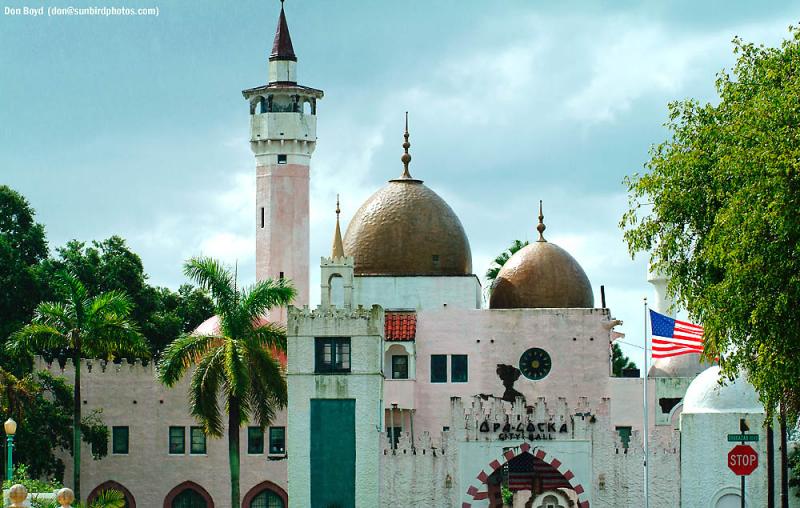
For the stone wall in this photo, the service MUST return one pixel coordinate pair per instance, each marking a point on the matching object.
(425, 474)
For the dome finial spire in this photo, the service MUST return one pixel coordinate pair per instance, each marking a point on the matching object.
(541, 227)
(406, 157)
(338, 248)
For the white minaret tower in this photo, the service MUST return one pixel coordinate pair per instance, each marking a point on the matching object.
(283, 135)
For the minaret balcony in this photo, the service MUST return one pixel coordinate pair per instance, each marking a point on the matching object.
(283, 126)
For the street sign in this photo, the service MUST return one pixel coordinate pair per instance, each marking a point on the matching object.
(742, 438)
(742, 460)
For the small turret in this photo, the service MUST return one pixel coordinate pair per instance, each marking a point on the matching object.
(336, 272)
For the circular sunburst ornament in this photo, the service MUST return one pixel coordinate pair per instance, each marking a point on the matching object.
(535, 363)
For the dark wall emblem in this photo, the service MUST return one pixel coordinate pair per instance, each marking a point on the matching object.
(535, 363)
(508, 374)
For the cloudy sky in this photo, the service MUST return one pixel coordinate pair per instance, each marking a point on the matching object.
(136, 126)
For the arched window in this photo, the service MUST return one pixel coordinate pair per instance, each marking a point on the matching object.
(189, 498)
(265, 495)
(130, 502)
(267, 499)
(336, 290)
(188, 495)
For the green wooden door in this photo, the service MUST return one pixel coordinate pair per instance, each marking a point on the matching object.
(333, 453)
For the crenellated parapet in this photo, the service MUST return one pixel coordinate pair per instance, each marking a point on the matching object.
(326, 261)
(135, 367)
(305, 316)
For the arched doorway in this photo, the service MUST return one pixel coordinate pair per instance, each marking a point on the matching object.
(130, 502)
(188, 495)
(266, 495)
(528, 471)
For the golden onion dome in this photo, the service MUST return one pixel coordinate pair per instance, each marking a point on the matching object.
(541, 275)
(407, 229)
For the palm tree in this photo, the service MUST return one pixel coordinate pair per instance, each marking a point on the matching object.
(85, 326)
(237, 356)
(499, 261)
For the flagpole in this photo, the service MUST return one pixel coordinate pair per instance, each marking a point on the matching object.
(646, 418)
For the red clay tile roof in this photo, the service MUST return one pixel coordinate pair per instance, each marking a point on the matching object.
(400, 326)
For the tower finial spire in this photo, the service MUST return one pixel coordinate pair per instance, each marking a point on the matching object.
(541, 227)
(338, 248)
(282, 48)
(406, 157)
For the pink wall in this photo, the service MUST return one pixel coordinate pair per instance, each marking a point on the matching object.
(282, 245)
(490, 337)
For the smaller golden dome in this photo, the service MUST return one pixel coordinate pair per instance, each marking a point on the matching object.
(541, 275)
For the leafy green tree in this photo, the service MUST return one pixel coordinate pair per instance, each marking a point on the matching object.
(719, 210)
(794, 470)
(85, 326)
(619, 361)
(42, 406)
(500, 260)
(159, 313)
(22, 248)
(236, 362)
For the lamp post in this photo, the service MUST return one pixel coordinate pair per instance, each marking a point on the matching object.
(11, 428)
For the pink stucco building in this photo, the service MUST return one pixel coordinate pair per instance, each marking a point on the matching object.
(406, 388)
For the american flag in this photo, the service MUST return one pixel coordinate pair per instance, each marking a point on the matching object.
(526, 471)
(674, 338)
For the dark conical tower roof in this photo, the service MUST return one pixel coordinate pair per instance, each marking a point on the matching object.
(282, 46)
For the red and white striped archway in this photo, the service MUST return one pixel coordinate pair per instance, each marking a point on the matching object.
(479, 490)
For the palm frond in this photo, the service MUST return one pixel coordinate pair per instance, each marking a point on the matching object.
(266, 294)
(212, 276)
(269, 335)
(68, 285)
(36, 337)
(115, 302)
(56, 314)
(117, 336)
(108, 499)
(204, 391)
(182, 353)
(268, 392)
(237, 374)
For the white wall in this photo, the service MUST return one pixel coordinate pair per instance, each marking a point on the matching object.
(463, 292)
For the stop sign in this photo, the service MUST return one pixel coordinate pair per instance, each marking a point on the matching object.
(742, 460)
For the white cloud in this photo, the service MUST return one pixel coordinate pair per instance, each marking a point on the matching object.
(228, 247)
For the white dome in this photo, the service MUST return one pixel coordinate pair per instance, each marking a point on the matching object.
(706, 395)
(688, 365)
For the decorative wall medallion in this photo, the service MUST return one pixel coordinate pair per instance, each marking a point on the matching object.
(535, 363)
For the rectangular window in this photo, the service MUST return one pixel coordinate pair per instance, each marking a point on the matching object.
(277, 440)
(399, 366)
(255, 440)
(624, 436)
(177, 440)
(458, 368)
(393, 433)
(198, 439)
(119, 440)
(332, 355)
(438, 368)
(262, 217)
(281, 158)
